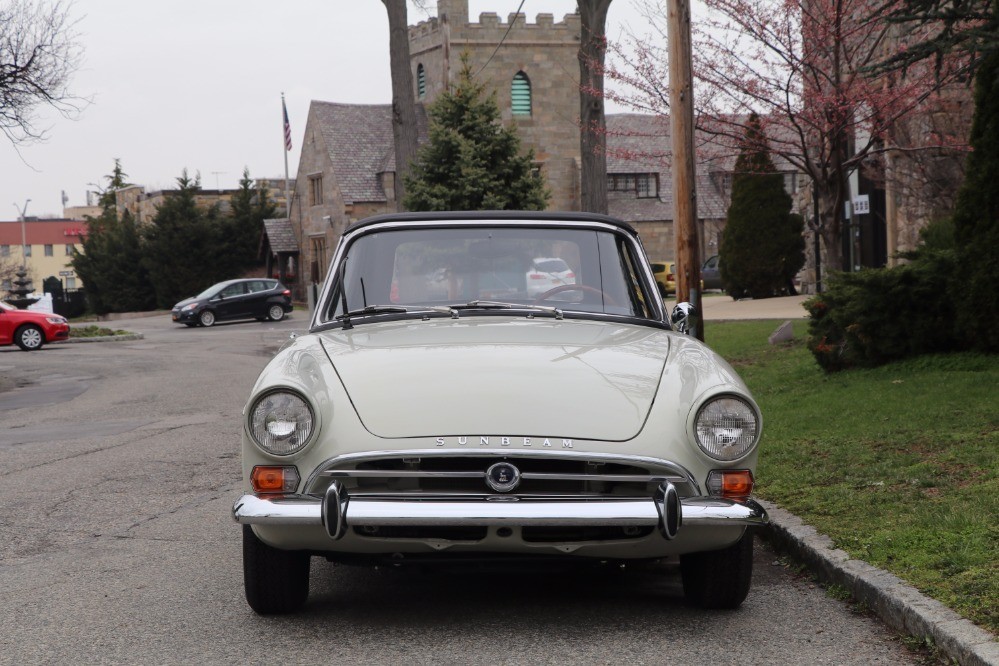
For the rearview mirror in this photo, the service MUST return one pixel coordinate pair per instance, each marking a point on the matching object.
(682, 316)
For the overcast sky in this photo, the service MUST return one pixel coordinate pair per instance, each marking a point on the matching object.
(193, 84)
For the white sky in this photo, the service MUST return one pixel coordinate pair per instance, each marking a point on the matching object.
(193, 84)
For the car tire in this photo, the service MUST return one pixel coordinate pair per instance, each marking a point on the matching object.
(29, 338)
(719, 578)
(276, 581)
(206, 318)
(275, 312)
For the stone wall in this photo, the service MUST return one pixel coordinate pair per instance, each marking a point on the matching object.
(545, 51)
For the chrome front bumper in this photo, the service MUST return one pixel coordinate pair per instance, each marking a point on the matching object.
(336, 511)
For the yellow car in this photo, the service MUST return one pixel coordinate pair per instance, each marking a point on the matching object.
(663, 271)
(665, 275)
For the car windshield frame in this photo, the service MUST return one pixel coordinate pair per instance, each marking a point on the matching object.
(612, 248)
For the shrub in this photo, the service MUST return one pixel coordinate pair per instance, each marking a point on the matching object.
(880, 315)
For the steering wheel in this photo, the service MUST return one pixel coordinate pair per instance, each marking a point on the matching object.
(574, 287)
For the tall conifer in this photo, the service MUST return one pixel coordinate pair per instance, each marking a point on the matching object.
(762, 247)
(472, 162)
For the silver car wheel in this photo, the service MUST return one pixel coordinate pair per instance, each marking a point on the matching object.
(276, 313)
(207, 318)
(29, 338)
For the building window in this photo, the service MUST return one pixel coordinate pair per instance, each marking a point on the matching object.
(48, 251)
(790, 182)
(318, 259)
(421, 81)
(70, 249)
(316, 190)
(642, 185)
(4, 250)
(71, 283)
(27, 250)
(520, 95)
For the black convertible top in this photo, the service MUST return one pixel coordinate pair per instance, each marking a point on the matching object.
(498, 215)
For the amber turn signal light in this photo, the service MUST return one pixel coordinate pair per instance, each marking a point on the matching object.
(732, 483)
(266, 479)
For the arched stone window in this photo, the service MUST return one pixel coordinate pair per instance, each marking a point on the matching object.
(421, 81)
(520, 95)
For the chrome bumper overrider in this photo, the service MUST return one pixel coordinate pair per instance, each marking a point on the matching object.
(336, 511)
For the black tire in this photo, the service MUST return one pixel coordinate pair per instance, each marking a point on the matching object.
(29, 338)
(206, 318)
(719, 578)
(276, 581)
(275, 312)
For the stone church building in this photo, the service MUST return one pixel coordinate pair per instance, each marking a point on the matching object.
(347, 166)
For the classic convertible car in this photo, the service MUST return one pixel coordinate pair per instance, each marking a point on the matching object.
(424, 418)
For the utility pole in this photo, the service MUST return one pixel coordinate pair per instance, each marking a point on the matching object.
(24, 236)
(681, 101)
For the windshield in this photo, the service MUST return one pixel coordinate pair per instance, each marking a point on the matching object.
(487, 268)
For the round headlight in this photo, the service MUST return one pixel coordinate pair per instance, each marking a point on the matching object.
(726, 428)
(281, 423)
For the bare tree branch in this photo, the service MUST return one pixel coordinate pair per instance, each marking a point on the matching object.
(39, 53)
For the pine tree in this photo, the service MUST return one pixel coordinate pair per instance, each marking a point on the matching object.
(976, 219)
(472, 162)
(244, 225)
(110, 265)
(762, 247)
(181, 246)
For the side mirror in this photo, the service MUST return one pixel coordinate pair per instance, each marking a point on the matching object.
(681, 317)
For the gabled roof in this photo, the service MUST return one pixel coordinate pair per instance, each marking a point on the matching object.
(359, 140)
(281, 235)
(639, 143)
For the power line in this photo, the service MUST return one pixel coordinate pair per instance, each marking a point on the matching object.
(508, 29)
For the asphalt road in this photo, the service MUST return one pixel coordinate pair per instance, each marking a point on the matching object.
(118, 469)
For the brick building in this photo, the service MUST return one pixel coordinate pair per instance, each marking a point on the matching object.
(50, 246)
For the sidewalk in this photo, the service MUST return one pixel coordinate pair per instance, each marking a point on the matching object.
(719, 307)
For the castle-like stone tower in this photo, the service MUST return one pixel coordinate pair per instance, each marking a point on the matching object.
(537, 59)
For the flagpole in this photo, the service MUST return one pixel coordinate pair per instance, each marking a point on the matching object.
(287, 130)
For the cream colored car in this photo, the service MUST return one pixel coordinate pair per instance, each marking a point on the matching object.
(422, 419)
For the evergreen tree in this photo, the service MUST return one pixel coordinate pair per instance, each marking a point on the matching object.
(182, 246)
(472, 162)
(111, 262)
(762, 247)
(976, 219)
(245, 225)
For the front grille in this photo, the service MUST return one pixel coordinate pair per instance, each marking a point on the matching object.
(431, 475)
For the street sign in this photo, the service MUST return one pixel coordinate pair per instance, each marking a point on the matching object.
(66, 273)
(861, 204)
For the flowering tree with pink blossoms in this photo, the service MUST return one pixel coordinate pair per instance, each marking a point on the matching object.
(805, 66)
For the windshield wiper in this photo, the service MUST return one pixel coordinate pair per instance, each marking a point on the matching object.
(500, 305)
(388, 309)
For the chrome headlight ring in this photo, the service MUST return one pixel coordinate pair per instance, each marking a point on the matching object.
(726, 427)
(281, 421)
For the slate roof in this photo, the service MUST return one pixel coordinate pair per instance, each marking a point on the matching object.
(638, 143)
(359, 140)
(281, 235)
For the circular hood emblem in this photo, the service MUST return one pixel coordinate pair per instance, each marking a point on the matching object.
(502, 477)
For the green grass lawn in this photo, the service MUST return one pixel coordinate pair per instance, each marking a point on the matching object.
(899, 465)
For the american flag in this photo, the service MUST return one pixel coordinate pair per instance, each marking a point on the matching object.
(287, 127)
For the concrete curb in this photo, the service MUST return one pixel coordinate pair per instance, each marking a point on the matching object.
(106, 338)
(898, 604)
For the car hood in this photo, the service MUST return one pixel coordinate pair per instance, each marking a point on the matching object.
(501, 377)
(186, 301)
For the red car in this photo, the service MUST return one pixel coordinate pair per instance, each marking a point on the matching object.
(30, 330)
